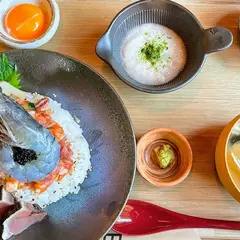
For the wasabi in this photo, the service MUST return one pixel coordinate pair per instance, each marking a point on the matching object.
(165, 155)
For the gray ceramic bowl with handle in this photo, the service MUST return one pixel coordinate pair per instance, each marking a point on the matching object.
(199, 42)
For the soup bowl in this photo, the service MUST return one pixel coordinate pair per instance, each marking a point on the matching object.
(228, 166)
(198, 41)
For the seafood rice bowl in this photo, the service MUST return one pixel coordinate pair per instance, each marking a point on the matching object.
(68, 173)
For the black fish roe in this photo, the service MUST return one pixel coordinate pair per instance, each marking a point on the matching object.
(23, 156)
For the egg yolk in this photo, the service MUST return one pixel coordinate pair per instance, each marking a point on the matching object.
(25, 22)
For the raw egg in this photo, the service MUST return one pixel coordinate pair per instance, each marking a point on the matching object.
(25, 22)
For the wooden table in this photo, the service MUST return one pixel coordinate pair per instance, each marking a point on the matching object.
(199, 111)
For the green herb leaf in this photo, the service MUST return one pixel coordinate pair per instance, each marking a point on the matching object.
(9, 73)
(14, 79)
(5, 68)
(4, 58)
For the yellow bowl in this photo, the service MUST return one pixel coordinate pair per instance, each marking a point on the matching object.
(227, 169)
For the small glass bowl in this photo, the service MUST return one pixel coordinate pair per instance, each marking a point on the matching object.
(51, 11)
(177, 171)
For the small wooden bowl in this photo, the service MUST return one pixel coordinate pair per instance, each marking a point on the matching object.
(177, 171)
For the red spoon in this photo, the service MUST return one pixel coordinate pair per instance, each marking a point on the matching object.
(141, 218)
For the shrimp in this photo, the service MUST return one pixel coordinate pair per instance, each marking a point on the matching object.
(28, 151)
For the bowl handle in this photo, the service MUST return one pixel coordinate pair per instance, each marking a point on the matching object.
(217, 39)
(103, 48)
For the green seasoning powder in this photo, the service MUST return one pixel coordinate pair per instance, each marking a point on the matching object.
(153, 52)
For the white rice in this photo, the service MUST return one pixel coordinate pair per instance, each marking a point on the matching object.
(81, 157)
(174, 57)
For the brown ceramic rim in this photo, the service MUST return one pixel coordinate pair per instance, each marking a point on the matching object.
(187, 170)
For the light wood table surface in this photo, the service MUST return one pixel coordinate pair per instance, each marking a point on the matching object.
(199, 111)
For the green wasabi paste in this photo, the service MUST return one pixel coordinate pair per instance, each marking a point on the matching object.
(165, 155)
